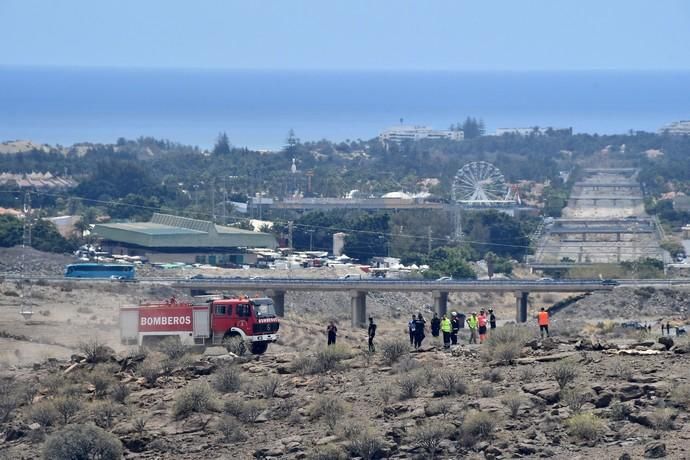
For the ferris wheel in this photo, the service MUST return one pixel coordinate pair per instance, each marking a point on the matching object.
(479, 182)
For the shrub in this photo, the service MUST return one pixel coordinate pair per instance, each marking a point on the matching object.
(564, 372)
(385, 393)
(10, 398)
(487, 391)
(662, 419)
(247, 411)
(366, 445)
(101, 380)
(574, 398)
(349, 428)
(235, 345)
(394, 349)
(95, 351)
(231, 429)
(284, 408)
(329, 359)
(477, 425)
(513, 403)
(104, 413)
(139, 425)
(227, 378)
(120, 393)
(269, 385)
(505, 343)
(527, 374)
(406, 364)
(329, 409)
(585, 426)
(150, 370)
(172, 347)
(85, 310)
(196, 398)
(450, 383)
(82, 442)
(493, 375)
(409, 384)
(681, 395)
(44, 412)
(67, 407)
(620, 411)
(429, 437)
(328, 452)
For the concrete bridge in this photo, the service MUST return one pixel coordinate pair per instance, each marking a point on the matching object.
(358, 289)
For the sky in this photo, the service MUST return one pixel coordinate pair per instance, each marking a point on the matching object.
(349, 34)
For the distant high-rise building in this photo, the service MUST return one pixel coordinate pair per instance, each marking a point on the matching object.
(403, 133)
(677, 128)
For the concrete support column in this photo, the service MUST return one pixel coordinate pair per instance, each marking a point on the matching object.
(278, 297)
(618, 236)
(358, 305)
(440, 302)
(521, 307)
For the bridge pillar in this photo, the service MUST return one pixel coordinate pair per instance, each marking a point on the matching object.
(521, 307)
(618, 236)
(358, 305)
(440, 302)
(278, 297)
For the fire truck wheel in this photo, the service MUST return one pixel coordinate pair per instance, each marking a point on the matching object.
(259, 348)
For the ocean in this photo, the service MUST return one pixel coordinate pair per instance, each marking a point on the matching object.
(258, 108)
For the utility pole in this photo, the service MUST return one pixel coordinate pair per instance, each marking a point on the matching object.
(26, 309)
(311, 239)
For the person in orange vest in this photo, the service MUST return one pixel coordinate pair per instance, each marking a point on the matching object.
(481, 322)
(543, 320)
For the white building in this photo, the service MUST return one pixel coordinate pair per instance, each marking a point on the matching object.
(677, 128)
(402, 133)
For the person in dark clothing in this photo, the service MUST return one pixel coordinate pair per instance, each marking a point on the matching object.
(492, 319)
(410, 328)
(372, 334)
(668, 328)
(419, 325)
(332, 332)
(455, 328)
(435, 325)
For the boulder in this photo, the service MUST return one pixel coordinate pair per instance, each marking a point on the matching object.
(549, 344)
(629, 392)
(603, 399)
(666, 342)
(549, 391)
(682, 349)
(658, 347)
(655, 449)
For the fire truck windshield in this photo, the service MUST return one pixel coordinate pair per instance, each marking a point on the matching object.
(263, 308)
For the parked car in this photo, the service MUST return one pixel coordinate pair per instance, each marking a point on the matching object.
(632, 325)
(351, 276)
(445, 278)
(546, 278)
(610, 283)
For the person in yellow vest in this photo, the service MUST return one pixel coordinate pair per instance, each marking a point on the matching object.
(472, 324)
(543, 320)
(445, 329)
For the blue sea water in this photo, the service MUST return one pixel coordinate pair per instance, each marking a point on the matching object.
(258, 108)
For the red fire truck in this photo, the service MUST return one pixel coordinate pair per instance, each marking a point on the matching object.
(214, 322)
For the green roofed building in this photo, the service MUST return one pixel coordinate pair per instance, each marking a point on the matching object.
(169, 238)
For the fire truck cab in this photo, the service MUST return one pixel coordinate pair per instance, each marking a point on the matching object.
(214, 322)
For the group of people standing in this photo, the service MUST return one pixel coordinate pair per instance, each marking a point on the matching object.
(416, 327)
(476, 323)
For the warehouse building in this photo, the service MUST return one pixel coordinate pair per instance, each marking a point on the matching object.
(167, 239)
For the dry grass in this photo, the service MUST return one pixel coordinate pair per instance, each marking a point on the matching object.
(227, 378)
(564, 372)
(195, 398)
(429, 437)
(393, 350)
(329, 409)
(585, 426)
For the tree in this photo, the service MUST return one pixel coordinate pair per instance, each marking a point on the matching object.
(449, 261)
(10, 231)
(222, 146)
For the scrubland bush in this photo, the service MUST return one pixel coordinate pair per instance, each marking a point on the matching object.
(195, 398)
(269, 385)
(476, 426)
(681, 395)
(67, 406)
(564, 372)
(82, 442)
(585, 426)
(505, 343)
(429, 437)
(406, 364)
(409, 385)
(235, 345)
(227, 378)
(246, 410)
(103, 413)
(450, 382)
(101, 379)
(366, 445)
(139, 425)
(487, 391)
(284, 408)
(44, 412)
(493, 375)
(328, 452)
(527, 374)
(662, 419)
(619, 411)
(575, 398)
(120, 392)
(231, 429)
(329, 409)
(349, 428)
(95, 351)
(172, 347)
(394, 349)
(385, 392)
(324, 360)
(150, 370)
(10, 398)
(513, 403)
